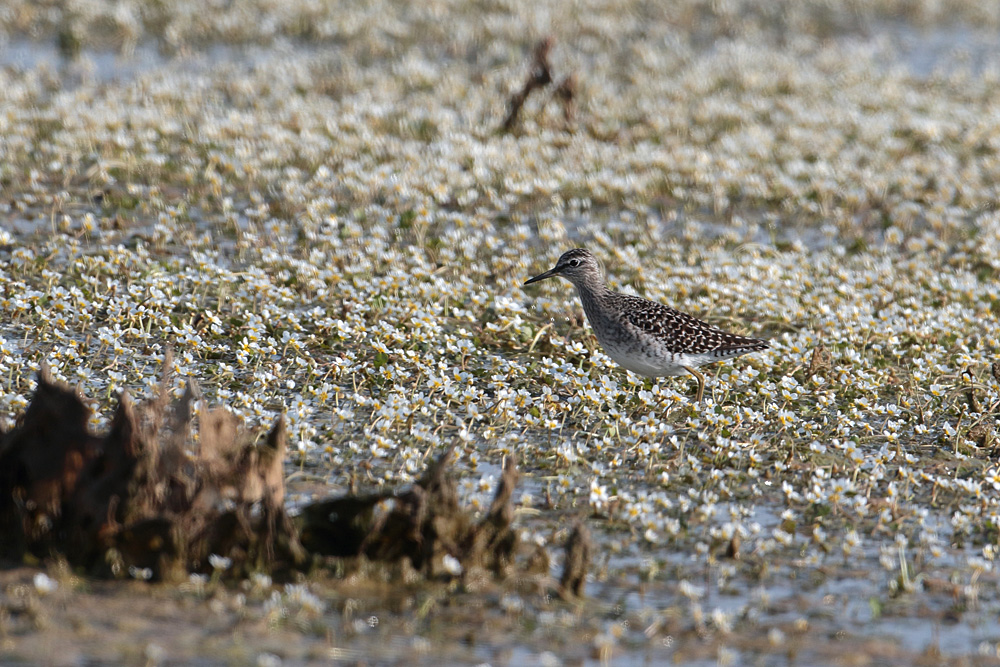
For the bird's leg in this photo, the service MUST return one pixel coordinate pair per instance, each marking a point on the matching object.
(701, 382)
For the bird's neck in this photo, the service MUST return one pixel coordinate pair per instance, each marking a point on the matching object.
(593, 292)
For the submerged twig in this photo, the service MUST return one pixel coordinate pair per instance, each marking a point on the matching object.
(574, 573)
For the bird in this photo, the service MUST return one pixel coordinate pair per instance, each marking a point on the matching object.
(644, 336)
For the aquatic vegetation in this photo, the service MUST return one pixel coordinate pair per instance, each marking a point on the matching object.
(338, 233)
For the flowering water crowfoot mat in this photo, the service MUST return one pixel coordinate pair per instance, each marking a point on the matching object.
(312, 204)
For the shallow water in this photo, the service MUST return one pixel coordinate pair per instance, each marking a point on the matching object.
(366, 241)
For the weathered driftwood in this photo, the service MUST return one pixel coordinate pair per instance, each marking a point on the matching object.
(424, 524)
(41, 462)
(148, 499)
(137, 497)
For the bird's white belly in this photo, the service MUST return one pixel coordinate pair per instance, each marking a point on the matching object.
(645, 354)
(637, 360)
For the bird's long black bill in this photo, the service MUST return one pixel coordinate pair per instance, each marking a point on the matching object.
(541, 276)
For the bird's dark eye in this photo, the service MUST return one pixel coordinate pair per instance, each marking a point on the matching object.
(574, 262)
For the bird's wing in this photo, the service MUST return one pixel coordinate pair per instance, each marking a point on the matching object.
(679, 331)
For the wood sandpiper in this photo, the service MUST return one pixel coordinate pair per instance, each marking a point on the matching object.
(643, 336)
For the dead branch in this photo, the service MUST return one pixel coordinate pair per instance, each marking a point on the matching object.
(539, 76)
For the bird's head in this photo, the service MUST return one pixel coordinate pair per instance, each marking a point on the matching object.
(577, 265)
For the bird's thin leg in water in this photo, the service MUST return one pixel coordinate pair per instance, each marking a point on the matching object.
(701, 383)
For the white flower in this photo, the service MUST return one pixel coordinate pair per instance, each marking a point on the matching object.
(219, 563)
(451, 565)
(44, 584)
